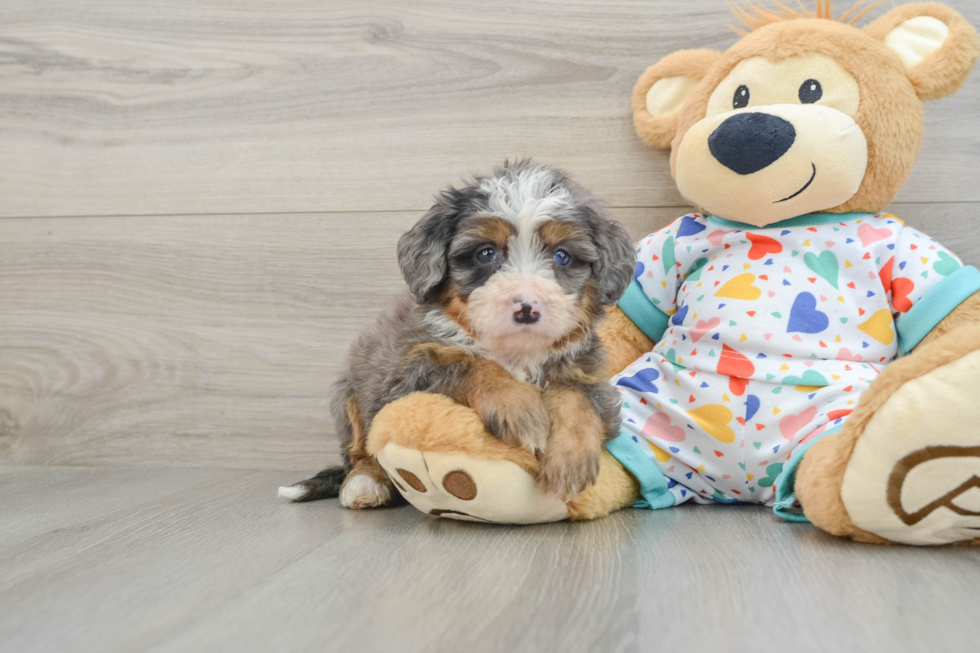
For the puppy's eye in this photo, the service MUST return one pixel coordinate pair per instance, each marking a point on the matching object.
(562, 257)
(811, 91)
(742, 96)
(486, 255)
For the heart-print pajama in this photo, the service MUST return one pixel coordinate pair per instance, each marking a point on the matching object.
(766, 338)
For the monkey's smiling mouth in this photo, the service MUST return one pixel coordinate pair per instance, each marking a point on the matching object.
(812, 177)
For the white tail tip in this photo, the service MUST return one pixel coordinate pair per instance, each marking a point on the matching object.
(292, 492)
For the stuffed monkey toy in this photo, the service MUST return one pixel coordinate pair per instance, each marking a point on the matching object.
(790, 343)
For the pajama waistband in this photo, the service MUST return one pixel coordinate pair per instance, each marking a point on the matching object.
(777, 370)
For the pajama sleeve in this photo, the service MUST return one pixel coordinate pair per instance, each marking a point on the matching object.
(664, 260)
(926, 282)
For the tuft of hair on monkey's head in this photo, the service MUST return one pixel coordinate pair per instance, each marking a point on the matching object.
(521, 260)
(753, 16)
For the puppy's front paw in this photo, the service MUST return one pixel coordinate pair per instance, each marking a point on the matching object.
(362, 491)
(519, 417)
(566, 473)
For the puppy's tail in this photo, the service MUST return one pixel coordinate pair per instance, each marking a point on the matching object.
(325, 485)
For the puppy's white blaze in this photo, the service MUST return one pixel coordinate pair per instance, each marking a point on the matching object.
(361, 491)
(524, 255)
(527, 198)
(529, 192)
(293, 492)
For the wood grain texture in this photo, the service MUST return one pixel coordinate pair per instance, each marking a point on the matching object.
(172, 560)
(212, 341)
(245, 106)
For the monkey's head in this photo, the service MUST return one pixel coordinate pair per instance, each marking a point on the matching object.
(803, 114)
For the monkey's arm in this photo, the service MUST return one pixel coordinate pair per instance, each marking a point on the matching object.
(967, 312)
(623, 340)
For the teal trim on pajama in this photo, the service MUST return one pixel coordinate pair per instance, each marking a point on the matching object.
(644, 314)
(809, 220)
(653, 484)
(786, 483)
(935, 306)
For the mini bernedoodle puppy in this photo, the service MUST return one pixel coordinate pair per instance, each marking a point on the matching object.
(508, 278)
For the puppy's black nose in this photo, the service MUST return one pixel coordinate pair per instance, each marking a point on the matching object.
(526, 315)
(749, 142)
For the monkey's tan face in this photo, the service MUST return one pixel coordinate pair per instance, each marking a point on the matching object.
(778, 140)
(520, 288)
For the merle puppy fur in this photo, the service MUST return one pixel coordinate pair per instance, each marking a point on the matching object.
(508, 277)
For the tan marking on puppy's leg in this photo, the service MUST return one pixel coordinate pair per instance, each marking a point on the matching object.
(570, 462)
(512, 410)
(578, 375)
(358, 441)
(367, 485)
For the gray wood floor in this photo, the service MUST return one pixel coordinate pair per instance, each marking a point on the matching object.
(181, 560)
(199, 202)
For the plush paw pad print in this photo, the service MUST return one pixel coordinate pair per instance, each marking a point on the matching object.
(457, 482)
(458, 486)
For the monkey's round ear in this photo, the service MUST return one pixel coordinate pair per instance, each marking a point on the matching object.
(661, 91)
(935, 43)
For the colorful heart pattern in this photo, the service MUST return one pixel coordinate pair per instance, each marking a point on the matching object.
(790, 425)
(732, 363)
(804, 317)
(658, 426)
(879, 327)
(703, 326)
(946, 265)
(772, 336)
(869, 234)
(762, 246)
(740, 288)
(714, 419)
(824, 265)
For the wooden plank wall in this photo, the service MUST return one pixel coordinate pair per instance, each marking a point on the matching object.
(199, 201)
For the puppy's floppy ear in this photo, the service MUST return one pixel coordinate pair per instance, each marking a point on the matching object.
(935, 43)
(617, 260)
(661, 91)
(423, 250)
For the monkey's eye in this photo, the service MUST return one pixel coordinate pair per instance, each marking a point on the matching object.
(486, 255)
(742, 96)
(811, 91)
(562, 257)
